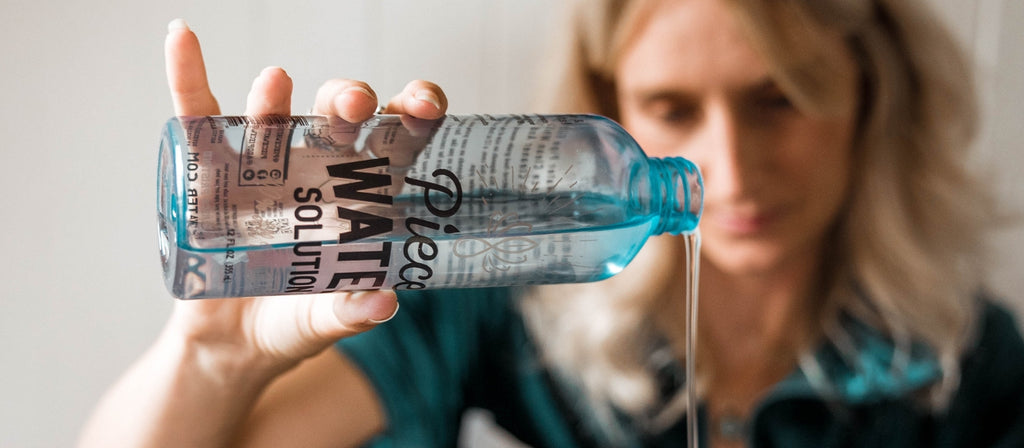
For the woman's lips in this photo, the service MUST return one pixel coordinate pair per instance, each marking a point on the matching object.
(746, 223)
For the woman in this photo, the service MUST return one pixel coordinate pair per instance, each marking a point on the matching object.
(839, 282)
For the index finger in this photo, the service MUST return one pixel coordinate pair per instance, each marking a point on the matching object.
(186, 72)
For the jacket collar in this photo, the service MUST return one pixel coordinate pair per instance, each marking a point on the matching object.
(869, 370)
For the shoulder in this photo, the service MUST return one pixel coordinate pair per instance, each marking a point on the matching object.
(988, 408)
(999, 348)
(992, 371)
(425, 363)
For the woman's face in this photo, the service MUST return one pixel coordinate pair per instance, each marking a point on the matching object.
(689, 84)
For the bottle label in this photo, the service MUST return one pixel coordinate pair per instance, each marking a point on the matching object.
(278, 205)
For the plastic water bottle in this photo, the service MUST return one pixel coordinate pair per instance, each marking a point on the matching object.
(251, 206)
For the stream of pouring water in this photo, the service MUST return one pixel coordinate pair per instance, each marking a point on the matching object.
(692, 282)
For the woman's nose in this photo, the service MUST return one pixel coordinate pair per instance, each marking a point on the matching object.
(724, 153)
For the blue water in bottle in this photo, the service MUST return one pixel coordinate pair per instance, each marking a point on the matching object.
(251, 206)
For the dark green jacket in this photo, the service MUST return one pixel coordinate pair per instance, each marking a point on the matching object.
(449, 351)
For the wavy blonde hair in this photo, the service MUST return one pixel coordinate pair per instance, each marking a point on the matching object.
(905, 256)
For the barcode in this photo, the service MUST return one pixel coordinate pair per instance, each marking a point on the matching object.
(266, 120)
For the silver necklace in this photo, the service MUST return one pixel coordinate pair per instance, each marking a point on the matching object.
(731, 427)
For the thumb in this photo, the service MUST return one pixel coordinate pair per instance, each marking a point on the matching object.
(295, 327)
(355, 313)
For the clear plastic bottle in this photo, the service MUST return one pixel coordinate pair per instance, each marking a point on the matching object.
(252, 206)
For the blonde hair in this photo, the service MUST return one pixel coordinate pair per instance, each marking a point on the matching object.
(905, 256)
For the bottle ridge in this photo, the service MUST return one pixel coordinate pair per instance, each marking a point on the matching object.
(272, 205)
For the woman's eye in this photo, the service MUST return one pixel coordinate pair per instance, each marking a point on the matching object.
(673, 113)
(774, 102)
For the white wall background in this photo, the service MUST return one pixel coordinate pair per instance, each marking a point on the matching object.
(83, 96)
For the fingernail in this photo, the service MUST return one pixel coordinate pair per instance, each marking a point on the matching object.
(392, 316)
(177, 24)
(428, 96)
(361, 90)
(266, 71)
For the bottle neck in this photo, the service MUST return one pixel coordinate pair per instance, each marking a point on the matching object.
(676, 196)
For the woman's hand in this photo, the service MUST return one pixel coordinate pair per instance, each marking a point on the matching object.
(277, 332)
(222, 371)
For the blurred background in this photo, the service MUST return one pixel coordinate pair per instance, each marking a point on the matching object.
(83, 98)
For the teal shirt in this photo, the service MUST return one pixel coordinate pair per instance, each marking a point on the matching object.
(449, 351)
